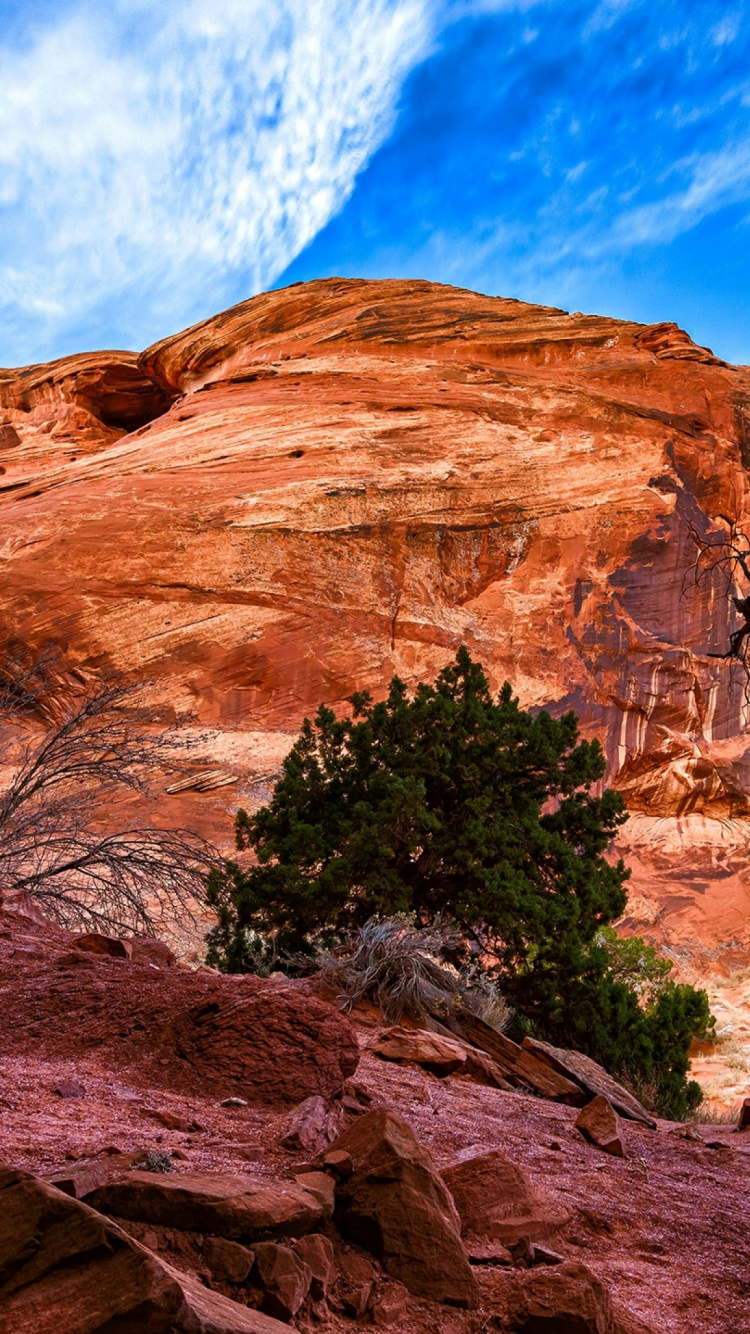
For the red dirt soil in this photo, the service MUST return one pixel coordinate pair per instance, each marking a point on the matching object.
(665, 1228)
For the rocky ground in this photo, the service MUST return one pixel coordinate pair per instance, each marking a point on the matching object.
(664, 1227)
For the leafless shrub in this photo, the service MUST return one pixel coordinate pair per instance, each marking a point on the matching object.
(727, 554)
(645, 1090)
(401, 968)
(57, 844)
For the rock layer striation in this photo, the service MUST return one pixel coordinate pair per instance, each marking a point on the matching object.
(345, 479)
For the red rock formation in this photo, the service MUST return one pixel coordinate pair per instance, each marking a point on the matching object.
(270, 1044)
(355, 477)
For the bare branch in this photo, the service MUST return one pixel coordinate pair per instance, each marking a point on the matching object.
(729, 554)
(56, 839)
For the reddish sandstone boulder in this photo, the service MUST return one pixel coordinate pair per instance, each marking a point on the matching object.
(439, 1054)
(316, 1251)
(282, 1046)
(743, 1122)
(144, 949)
(391, 1306)
(396, 1206)
(321, 1186)
(599, 1123)
(284, 1278)
(591, 1078)
(228, 1260)
(566, 1300)
(312, 1125)
(356, 1283)
(186, 1031)
(240, 1208)
(66, 1270)
(496, 1200)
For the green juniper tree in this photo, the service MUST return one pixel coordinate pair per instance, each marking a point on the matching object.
(456, 803)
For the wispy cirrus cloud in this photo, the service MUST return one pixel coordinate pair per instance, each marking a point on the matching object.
(569, 152)
(153, 157)
(160, 161)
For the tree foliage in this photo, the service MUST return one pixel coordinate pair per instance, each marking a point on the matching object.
(450, 802)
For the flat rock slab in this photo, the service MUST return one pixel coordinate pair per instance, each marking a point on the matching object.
(591, 1077)
(496, 1200)
(519, 1066)
(240, 1208)
(395, 1204)
(64, 1269)
(438, 1053)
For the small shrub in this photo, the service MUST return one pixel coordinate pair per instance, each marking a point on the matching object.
(403, 970)
(158, 1162)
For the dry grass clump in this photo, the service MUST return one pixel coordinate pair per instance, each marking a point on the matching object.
(710, 1115)
(402, 969)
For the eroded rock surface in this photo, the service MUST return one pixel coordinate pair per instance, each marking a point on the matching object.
(265, 1043)
(496, 1200)
(343, 479)
(64, 1267)
(395, 1204)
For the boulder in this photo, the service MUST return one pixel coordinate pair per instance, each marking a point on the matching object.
(83, 1179)
(496, 1200)
(112, 946)
(284, 1278)
(191, 1033)
(439, 1055)
(591, 1078)
(743, 1121)
(356, 1283)
(316, 1251)
(599, 1123)
(238, 1207)
(153, 953)
(228, 1260)
(311, 1125)
(65, 1268)
(568, 1299)
(390, 1306)
(283, 1046)
(321, 1185)
(520, 1067)
(338, 1162)
(396, 1206)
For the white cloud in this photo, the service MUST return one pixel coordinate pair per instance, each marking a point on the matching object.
(714, 180)
(148, 152)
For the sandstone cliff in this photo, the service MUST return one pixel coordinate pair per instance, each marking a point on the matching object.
(343, 479)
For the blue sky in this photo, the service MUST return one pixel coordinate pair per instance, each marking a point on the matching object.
(161, 160)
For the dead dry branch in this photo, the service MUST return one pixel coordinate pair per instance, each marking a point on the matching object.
(57, 841)
(401, 968)
(728, 554)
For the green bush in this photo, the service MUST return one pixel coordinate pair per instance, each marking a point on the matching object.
(454, 803)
